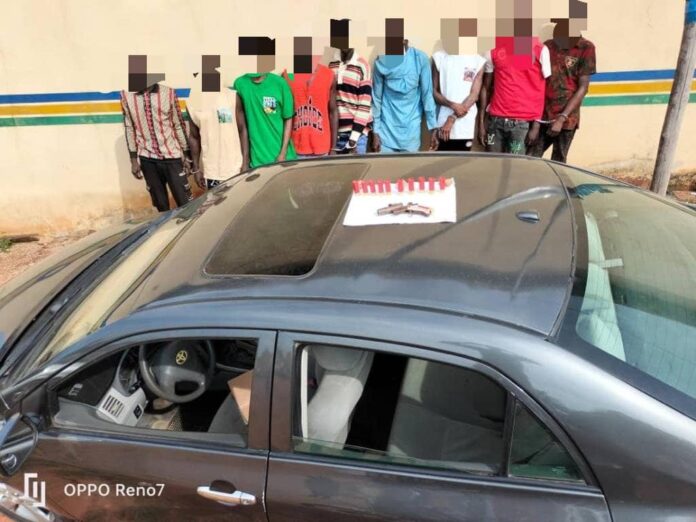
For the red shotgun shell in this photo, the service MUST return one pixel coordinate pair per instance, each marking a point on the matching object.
(431, 184)
(400, 185)
(443, 183)
(421, 183)
(356, 187)
(411, 184)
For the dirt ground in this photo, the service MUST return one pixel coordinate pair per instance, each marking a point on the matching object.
(21, 256)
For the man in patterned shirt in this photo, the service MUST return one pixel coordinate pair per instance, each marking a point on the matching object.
(573, 61)
(157, 143)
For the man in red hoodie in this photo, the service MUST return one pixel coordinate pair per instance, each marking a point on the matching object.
(514, 83)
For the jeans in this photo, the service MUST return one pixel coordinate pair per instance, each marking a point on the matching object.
(561, 144)
(361, 147)
(160, 174)
(506, 135)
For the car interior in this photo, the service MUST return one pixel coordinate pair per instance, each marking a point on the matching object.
(638, 299)
(351, 403)
(385, 407)
(400, 409)
(179, 386)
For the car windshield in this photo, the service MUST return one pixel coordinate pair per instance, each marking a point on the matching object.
(95, 307)
(639, 298)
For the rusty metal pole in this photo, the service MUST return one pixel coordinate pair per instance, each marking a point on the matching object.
(678, 102)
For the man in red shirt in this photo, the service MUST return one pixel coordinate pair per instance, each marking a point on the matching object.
(514, 82)
(573, 61)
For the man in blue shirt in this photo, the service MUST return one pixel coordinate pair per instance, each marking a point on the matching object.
(402, 90)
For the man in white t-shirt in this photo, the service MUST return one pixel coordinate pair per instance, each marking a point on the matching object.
(457, 81)
(214, 137)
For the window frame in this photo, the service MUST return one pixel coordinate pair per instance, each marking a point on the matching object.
(287, 380)
(257, 442)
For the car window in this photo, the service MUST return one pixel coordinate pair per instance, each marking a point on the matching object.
(194, 388)
(383, 407)
(537, 453)
(637, 297)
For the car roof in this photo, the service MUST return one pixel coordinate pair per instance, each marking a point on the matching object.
(490, 263)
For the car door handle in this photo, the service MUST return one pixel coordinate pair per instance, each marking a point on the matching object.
(237, 498)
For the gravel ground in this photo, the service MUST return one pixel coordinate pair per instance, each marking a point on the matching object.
(20, 256)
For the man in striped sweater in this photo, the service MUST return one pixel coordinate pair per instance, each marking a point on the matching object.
(354, 100)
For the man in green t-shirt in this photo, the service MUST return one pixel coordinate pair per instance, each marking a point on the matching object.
(264, 116)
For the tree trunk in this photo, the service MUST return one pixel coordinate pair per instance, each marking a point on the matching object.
(678, 102)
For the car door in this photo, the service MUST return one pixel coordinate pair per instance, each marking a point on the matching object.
(366, 430)
(89, 473)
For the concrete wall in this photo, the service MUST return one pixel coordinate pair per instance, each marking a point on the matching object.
(64, 160)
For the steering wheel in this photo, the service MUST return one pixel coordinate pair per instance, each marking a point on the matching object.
(175, 363)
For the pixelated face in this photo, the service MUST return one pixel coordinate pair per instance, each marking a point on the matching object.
(210, 79)
(340, 34)
(303, 60)
(263, 48)
(577, 14)
(138, 77)
(577, 26)
(394, 30)
(468, 45)
(459, 35)
(572, 27)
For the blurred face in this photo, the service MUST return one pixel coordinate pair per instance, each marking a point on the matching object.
(468, 45)
(577, 25)
(568, 30)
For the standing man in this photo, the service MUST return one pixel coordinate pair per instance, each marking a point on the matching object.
(573, 61)
(264, 115)
(354, 100)
(457, 81)
(315, 123)
(157, 143)
(402, 92)
(215, 146)
(514, 83)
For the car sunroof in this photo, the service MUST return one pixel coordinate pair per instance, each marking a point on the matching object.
(282, 230)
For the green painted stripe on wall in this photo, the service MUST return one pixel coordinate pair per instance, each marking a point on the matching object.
(65, 120)
(61, 120)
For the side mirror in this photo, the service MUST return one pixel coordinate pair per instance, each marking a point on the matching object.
(18, 437)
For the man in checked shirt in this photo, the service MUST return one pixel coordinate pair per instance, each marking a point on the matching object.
(157, 143)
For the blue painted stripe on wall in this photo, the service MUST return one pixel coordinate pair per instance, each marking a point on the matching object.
(635, 76)
(691, 11)
(71, 97)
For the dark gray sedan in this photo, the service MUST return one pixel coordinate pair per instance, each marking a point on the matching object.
(426, 337)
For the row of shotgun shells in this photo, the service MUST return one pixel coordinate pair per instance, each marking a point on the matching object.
(384, 186)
